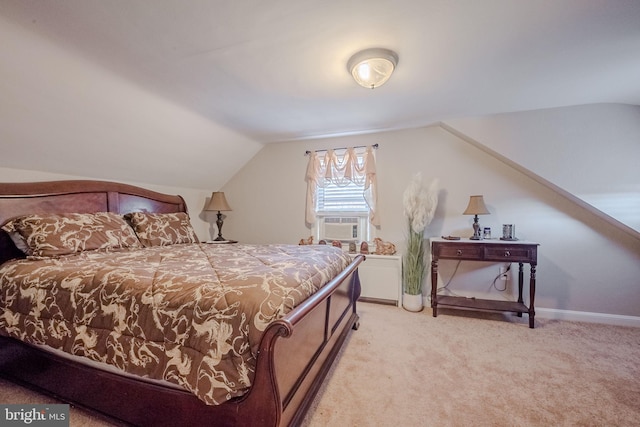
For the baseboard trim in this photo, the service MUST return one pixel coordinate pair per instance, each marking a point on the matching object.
(585, 316)
(577, 316)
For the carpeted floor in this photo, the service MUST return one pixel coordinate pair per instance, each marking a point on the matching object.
(466, 368)
(482, 369)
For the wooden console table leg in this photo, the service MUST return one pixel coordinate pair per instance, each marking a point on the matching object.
(520, 284)
(434, 287)
(532, 295)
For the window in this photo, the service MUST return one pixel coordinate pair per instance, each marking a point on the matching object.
(348, 198)
(342, 213)
(341, 194)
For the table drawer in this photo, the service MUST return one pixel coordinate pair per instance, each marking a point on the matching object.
(511, 253)
(469, 252)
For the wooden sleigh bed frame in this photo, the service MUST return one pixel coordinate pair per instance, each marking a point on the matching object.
(295, 353)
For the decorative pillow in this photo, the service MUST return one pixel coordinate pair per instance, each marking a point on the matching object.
(64, 234)
(162, 229)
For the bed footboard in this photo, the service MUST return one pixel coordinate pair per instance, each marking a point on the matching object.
(313, 336)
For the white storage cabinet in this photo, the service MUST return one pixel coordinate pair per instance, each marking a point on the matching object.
(381, 279)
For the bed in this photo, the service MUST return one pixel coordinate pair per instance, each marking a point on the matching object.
(293, 334)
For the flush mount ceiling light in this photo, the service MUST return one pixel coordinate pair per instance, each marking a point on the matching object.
(372, 67)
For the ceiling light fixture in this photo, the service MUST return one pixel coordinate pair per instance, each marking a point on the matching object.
(372, 67)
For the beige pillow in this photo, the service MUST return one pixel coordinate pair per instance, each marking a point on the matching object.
(64, 234)
(162, 229)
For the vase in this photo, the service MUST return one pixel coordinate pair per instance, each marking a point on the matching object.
(412, 302)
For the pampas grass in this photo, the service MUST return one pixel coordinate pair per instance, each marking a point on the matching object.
(413, 262)
(420, 204)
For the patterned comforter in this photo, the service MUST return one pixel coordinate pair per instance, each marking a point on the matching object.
(189, 314)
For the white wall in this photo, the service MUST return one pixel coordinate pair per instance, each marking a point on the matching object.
(584, 264)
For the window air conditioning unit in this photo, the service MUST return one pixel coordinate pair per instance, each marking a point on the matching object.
(341, 228)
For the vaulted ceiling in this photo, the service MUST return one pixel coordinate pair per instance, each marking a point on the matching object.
(265, 71)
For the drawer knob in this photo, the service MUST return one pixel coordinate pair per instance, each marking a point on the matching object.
(459, 252)
(507, 253)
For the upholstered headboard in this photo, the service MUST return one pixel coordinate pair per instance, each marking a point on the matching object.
(18, 199)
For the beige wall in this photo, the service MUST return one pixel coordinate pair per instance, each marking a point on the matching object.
(591, 151)
(584, 265)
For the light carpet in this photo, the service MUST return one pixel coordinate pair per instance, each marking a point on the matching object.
(466, 368)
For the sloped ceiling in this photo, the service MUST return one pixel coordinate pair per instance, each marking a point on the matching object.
(164, 81)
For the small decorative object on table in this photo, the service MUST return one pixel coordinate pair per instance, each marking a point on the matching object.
(352, 247)
(364, 248)
(487, 233)
(336, 243)
(322, 242)
(508, 232)
(384, 248)
(307, 241)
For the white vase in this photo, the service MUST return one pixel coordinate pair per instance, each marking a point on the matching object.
(412, 302)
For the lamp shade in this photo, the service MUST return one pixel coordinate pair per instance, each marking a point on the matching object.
(371, 68)
(218, 202)
(476, 206)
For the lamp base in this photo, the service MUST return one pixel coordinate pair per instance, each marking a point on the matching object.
(219, 223)
(476, 230)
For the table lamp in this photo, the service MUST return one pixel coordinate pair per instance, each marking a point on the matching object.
(476, 207)
(218, 203)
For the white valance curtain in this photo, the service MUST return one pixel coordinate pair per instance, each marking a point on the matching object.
(341, 170)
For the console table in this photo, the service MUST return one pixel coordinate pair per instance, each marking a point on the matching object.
(490, 251)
